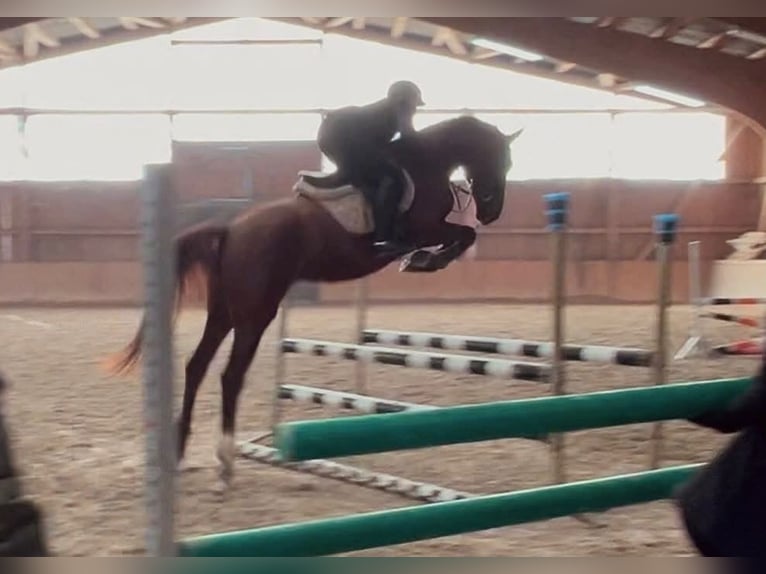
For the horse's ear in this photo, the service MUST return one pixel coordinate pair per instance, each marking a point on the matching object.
(511, 138)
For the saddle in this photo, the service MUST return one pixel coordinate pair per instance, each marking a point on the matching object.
(344, 201)
(322, 180)
(347, 204)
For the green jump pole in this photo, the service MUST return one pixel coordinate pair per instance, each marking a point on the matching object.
(348, 436)
(402, 525)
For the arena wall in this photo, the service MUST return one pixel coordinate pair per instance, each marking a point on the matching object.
(77, 242)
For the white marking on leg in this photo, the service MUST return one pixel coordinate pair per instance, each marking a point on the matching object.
(225, 453)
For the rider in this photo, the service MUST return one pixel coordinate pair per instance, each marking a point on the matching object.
(355, 139)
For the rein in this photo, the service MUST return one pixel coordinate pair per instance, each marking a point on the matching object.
(457, 189)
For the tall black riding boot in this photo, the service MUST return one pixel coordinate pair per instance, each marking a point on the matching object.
(386, 210)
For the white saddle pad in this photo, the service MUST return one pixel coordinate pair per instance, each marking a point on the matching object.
(350, 209)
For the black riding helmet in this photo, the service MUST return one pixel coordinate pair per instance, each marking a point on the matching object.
(405, 91)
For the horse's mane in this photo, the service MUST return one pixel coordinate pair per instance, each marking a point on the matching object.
(450, 130)
(461, 123)
(446, 130)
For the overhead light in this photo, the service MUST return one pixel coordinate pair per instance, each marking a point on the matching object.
(506, 49)
(670, 96)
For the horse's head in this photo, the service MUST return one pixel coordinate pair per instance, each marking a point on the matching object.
(482, 150)
(486, 161)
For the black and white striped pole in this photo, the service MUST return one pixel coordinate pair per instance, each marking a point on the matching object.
(665, 226)
(158, 226)
(557, 205)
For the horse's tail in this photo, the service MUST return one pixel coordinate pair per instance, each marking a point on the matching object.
(198, 258)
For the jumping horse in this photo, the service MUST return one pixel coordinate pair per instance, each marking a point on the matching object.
(323, 234)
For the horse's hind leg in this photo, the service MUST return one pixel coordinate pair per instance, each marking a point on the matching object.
(246, 340)
(217, 326)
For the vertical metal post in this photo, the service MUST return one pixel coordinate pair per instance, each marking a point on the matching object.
(362, 298)
(557, 210)
(6, 227)
(665, 230)
(159, 296)
(695, 344)
(695, 289)
(280, 366)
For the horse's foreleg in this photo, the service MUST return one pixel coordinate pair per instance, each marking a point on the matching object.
(459, 239)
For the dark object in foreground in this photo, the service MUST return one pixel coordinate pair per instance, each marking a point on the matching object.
(21, 521)
(724, 505)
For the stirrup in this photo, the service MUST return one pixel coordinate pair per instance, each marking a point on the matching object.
(392, 246)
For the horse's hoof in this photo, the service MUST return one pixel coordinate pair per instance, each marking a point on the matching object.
(221, 487)
(415, 268)
(419, 261)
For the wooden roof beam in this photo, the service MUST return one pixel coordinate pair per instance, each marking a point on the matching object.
(422, 45)
(34, 37)
(85, 28)
(339, 22)
(670, 28)
(483, 54)
(607, 80)
(136, 22)
(750, 24)
(605, 21)
(714, 42)
(7, 49)
(736, 85)
(399, 26)
(75, 44)
(448, 37)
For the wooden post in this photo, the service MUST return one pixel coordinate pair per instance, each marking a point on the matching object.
(665, 230)
(557, 208)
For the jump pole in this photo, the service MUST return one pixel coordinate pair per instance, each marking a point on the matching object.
(665, 226)
(368, 434)
(624, 356)
(401, 525)
(557, 207)
(157, 227)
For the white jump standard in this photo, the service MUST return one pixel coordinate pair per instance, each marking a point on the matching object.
(697, 344)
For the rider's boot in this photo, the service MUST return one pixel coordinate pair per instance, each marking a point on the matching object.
(386, 210)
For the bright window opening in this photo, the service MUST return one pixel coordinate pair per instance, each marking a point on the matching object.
(146, 77)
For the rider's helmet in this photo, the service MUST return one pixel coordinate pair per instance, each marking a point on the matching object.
(406, 94)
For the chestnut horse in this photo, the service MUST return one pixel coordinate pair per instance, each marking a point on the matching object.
(250, 263)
